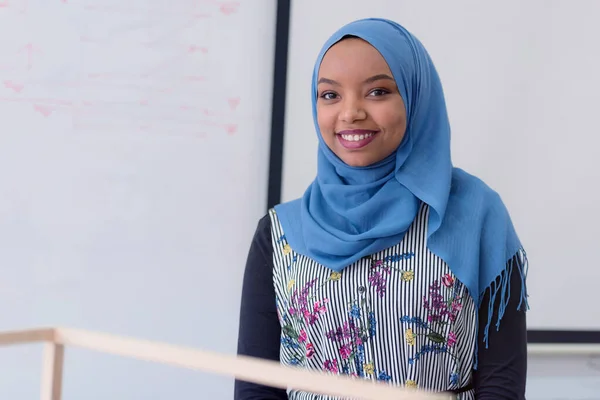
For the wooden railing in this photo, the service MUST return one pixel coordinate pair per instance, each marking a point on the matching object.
(244, 368)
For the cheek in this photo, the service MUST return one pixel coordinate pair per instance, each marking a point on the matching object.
(326, 119)
(393, 121)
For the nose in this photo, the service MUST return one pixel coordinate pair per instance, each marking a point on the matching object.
(352, 111)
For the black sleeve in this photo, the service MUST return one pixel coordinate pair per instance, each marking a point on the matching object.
(502, 367)
(259, 329)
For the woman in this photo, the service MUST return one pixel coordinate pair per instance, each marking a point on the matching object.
(394, 265)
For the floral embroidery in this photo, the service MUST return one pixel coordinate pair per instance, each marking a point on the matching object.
(335, 276)
(383, 376)
(287, 249)
(310, 350)
(410, 337)
(451, 339)
(408, 276)
(300, 307)
(304, 312)
(448, 280)
(331, 366)
(454, 378)
(378, 279)
(369, 369)
(345, 351)
(381, 269)
(442, 308)
(302, 337)
(351, 338)
(288, 343)
(411, 384)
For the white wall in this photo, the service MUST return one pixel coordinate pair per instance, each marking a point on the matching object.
(133, 171)
(521, 82)
(563, 377)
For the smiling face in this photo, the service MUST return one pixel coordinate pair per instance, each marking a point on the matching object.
(360, 112)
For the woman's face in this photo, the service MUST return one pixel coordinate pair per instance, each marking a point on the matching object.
(360, 111)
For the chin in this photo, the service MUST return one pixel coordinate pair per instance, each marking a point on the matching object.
(358, 160)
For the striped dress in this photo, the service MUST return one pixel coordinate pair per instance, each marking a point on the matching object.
(398, 316)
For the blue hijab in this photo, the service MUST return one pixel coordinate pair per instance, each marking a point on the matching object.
(351, 212)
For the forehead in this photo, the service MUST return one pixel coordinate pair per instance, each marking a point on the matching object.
(353, 56)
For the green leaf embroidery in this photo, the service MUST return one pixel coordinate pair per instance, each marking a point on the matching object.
(436, 337)
(290, 331)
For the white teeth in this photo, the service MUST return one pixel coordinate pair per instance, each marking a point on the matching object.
(356, 138)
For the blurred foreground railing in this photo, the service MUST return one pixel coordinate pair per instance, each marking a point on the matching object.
(244, 368)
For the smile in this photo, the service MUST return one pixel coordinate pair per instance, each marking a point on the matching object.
(355, 139)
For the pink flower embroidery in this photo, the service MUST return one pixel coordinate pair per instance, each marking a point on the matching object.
(448, 280)
(331, 366)
(345, 352)
(310, 350)
(451, 339)
(302, 337)
(456, 306)
(318, 309)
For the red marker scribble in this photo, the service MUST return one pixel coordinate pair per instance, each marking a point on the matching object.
(193, 48)
(29, 49)
(195, 78)
(44, 110)
(114, 9)
(233, 102)
(22, 9)
(54, 102)
(229, 8)
(231, 128)
(17, 87)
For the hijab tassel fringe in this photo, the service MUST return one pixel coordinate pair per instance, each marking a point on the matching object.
(501, 286)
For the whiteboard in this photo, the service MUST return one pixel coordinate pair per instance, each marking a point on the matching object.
(522, 86)
(133, 170)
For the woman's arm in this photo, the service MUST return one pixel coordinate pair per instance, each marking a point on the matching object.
(259, 329)
(502, 367)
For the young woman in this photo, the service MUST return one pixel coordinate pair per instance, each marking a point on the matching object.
(394, 265)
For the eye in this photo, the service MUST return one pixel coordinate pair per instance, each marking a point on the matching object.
(378, 92)
(328, 95)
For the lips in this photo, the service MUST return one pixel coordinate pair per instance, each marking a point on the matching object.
(356, 138)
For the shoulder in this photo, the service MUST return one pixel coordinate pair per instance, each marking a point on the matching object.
(262, 233)
(264, 223)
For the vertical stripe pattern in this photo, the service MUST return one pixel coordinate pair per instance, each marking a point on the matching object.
(398, 316)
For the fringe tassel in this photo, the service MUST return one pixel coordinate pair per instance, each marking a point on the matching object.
(502, 287)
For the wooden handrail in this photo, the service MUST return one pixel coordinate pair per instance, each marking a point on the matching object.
(245, 368)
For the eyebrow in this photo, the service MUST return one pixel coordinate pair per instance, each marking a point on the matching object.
(372, 79)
